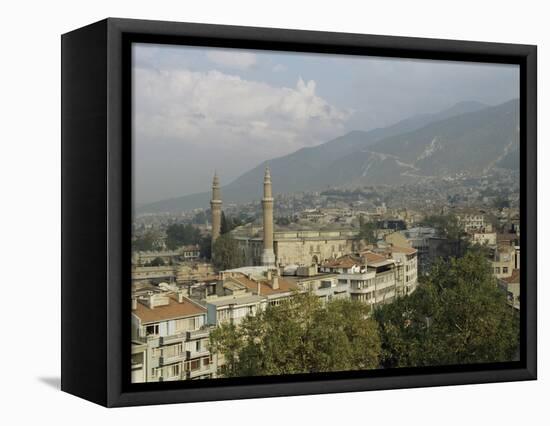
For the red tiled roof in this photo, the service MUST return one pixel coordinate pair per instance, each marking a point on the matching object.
(514, 278)
(265, 287)
(173, 310)
(373, 257)
(406, 250)
(342, 262)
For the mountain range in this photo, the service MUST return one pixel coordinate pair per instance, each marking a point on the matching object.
(469, 137)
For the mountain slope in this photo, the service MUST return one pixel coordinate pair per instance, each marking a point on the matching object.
(332, 163)
(471, 143)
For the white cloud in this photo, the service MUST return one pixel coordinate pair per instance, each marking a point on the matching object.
(279, 68)
(232, 59)
(230, 113)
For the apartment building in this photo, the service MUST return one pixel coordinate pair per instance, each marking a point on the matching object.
(244, 291)
(473, 220)
(484, 238)
(511, 286)
(406, 259)
(233, 309)
(504, 259)
(369, 277)
(173, 330)
(323, 285)
(190, 253)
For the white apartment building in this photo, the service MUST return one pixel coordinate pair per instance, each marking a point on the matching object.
(407, 258)
(504, 260)
(484, 238)
(473, 221)
(174, 330)
(370, 278)
(323, 285)
(233, 309)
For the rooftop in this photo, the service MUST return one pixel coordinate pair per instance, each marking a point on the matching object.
(406, 250)
(251, 230)
(285, 286)
(347, 261)
(235, 300)
(173, 310)
(373, 257)
(514, 278)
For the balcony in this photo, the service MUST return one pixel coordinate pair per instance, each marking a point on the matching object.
(364, 290)
(196, 353)
(165, 360)
(198, 334)
(153, 341)
(175, 338)
(171, 378)
(204, 370)
(154, 362)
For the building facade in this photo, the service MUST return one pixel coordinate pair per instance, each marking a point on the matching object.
(292, 246)
(170, 339)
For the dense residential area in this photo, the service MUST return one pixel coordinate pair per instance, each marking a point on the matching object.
(342, 279)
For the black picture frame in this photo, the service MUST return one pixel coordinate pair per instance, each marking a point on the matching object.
(96, 210)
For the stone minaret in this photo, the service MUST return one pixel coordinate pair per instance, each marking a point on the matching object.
(268, 256)
(216, 207)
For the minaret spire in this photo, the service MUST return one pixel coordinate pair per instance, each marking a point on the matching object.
(268, 256)
(216, 208)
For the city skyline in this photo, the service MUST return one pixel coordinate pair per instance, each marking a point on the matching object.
(307, 244)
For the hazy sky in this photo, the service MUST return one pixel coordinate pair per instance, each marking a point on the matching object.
(198, 109)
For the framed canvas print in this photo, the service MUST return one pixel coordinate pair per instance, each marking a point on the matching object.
(254, 212)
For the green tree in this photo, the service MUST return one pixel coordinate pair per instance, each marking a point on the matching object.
(446, 224)
(501, 202)
(299, 336)
(157, 261)
(224, 226)
(146, 242)
(228, 223)
(205, 247)
(457, 316)
(200, 218)
(367, 231)
(226, 253)
(283, 220)
(178, 235)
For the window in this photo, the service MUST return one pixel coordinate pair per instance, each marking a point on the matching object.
(173, 370)
(497, 270)
(505, 270)
(152, 330)
(172, 350)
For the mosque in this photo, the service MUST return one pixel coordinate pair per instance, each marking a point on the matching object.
(294, 244)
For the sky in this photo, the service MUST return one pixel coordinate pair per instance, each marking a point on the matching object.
(197, 110)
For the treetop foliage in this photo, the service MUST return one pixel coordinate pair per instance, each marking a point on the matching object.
(178, 235)
(299, 336)
(226, 253)
(446, 224)
(456, 316)
(147, 242)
